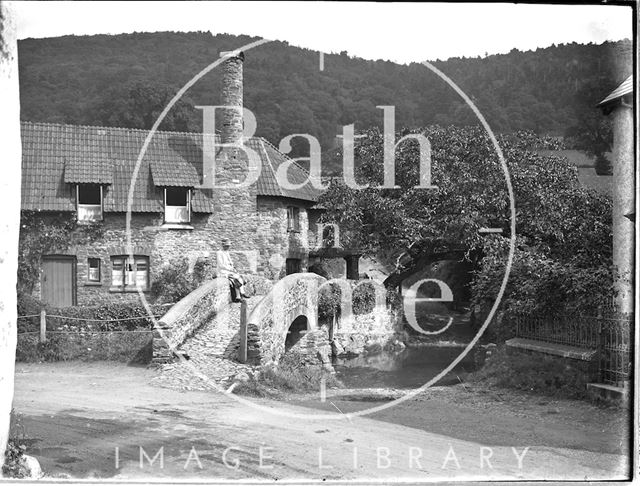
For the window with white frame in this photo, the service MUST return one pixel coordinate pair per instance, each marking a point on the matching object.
(130, 273)
(89, 202)
(177, 205)
(94, 270)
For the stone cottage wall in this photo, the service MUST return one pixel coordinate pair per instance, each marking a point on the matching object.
(275, 242)
(254, 225)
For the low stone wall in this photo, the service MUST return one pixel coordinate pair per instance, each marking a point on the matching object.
(367, 333)
(184, 318)
(583, 363)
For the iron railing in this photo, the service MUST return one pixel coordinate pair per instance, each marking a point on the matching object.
(615, 350)
(611, 334)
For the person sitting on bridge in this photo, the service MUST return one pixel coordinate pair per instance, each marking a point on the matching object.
(227, 269)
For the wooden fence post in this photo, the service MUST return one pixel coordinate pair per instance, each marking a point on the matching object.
(43, 326)
(242, 349)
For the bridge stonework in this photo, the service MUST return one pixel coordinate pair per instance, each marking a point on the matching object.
(293, 296)
(206, 325)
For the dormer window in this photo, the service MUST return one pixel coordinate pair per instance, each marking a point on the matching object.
(177, 205)
(89, 202)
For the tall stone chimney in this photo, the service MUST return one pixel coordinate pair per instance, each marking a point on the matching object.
(232, 96)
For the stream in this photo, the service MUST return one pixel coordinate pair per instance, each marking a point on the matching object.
(410, 368)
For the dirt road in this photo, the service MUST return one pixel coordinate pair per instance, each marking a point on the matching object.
(104, 420)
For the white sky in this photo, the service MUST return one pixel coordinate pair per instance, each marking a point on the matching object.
(398, 32)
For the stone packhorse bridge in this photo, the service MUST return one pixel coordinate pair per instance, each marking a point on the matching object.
(205, 327)
(284, 319)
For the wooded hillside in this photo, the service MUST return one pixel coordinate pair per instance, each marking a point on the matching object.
(126, 80)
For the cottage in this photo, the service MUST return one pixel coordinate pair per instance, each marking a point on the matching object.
(86, 172)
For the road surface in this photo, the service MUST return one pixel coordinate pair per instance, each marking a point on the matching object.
(104, 420)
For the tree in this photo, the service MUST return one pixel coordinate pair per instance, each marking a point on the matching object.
(558, 220)
(140, 106)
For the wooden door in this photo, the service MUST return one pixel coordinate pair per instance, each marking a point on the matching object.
(293, 265)
(58, 284)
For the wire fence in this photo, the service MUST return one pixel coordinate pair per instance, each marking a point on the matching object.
(56, 337)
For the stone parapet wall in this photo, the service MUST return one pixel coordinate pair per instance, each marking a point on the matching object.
(184, 318)
(220, 336)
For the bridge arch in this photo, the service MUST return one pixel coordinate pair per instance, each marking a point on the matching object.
(292, 297)
(297, 329)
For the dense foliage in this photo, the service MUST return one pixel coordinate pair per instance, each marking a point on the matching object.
(563, 254)
(13, 466)
(176, 280)
(46, 234)
(124, 79)
(114, 331)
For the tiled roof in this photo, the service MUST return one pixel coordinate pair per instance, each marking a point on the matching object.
(268, 185)
(84, 161)
(56, 156)
(625, 88)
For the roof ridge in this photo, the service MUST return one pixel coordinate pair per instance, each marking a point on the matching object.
(103, 127)
(294, 162)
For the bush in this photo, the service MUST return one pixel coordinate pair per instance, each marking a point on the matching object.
(363, 299)
(320, 268)
(13, 466)
(257, 285)
(291, 375)
(175, 281)
(128, 347)
(105, 317)
(29, 306)
(540, 373)
(85, 333)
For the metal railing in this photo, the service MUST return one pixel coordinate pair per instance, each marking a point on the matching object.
(615, 351)
(611, 334)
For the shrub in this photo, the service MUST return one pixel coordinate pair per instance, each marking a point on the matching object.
(540, 373)
(105, 317)
(85, 333)
(128, 347)
(258, 285)
(175, 281)
(363, 300)
(13, 466)
(28, 306)
(320, 268)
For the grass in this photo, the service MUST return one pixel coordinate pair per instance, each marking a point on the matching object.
(130, 347)
(538, 373)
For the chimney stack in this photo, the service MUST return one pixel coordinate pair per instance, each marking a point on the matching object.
(232, 92)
